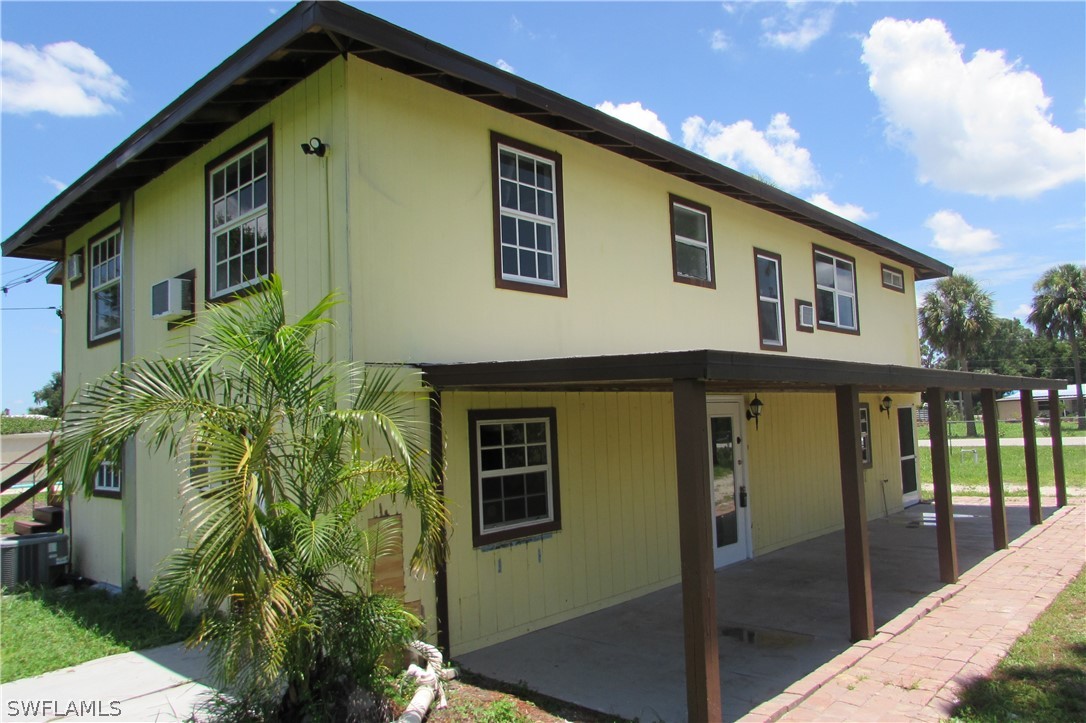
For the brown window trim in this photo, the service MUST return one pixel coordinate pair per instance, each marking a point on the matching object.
(559, 209)
(783, 346)
(816, 249)
(478, 537)
(114, 228)
(894, 269)
(676, 276)
(800, 303)
(109, 494)
(261, 135)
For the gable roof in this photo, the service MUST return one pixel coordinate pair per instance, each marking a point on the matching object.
(313, 33)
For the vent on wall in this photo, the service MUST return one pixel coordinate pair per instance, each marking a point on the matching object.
(74, 268)
(171, 299)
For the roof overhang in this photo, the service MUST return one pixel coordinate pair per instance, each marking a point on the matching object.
(310, 35)
(722, 371)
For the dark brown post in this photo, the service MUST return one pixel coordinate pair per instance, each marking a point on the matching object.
(857, 556)
(940, 477)
(995, 469)
(1056, 433)
(696, 551)
(1029, 438)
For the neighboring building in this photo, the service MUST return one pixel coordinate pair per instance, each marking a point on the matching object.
(1010, 404)
(598, 310)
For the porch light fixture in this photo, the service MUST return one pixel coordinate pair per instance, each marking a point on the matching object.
(754, 411)
(886, 405)
(315, 147)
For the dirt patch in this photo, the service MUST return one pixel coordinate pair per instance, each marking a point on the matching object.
(475, 698)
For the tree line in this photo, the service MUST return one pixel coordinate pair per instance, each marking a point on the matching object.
(958, 330)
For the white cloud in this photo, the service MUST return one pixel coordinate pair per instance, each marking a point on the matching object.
(954, 235)
(773, 153)
(505, 66)
(798, 26)
(1022, 311)
(59, 185)
(65, 79)
(636, 115)
(718, 41)
(851, 211)
(980, 127)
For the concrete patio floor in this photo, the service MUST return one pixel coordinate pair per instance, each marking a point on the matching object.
(781, 616)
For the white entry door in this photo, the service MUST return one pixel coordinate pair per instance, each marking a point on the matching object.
(728, 482)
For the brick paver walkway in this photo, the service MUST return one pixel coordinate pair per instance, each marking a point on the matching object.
(915, 667)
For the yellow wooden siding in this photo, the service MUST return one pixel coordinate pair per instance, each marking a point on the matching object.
(619, 536)
(423, 261)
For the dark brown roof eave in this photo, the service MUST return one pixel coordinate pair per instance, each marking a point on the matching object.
(720, 369)
(351, 31)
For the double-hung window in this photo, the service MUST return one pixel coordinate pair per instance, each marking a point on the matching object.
(529, 246)
(835, 292)
(105, 287)
(692, 242)
(107, 480)
(239, 218)
(767, 270)
(514, 474)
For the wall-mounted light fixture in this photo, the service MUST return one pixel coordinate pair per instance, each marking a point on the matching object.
(754, 410)
(315, 147)
(886, 405)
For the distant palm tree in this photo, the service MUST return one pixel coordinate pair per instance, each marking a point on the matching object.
(1059, 312)
(282, 453)
(955, 318)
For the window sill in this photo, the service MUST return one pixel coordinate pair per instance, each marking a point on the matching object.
(515, 536)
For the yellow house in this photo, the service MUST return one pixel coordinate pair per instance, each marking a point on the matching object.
(647, 365)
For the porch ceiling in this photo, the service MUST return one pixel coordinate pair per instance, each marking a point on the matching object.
(722, 371)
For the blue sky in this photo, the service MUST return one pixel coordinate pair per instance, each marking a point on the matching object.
(956, 128)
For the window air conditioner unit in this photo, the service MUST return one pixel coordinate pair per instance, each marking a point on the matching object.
(171, 299)
(36, 559)
(74, 269)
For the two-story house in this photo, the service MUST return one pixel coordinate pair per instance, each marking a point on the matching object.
(647, 365)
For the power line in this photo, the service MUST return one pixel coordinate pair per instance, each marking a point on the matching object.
(57, 309)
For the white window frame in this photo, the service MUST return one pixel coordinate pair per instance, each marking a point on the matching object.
(838, 294)
(865, 435)
(105, 272)
(108, 479)
(705, 247)
(495, 532)
(892, 278)
(536, 219)
(256, 218)
(778, 301)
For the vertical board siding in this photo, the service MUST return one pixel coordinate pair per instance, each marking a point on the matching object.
(615, 539)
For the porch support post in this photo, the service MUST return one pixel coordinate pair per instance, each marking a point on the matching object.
(696, 551)
(995, 469)
(857, 555)
(1057, 446)
(940, 476)
(1029, 438)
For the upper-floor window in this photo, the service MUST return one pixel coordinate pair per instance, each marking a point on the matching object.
(893, 278)
(529, 248)
(692, 242)
(105, 287)
(514, 473)
(835, 291)
(239, 211)
(767, 271)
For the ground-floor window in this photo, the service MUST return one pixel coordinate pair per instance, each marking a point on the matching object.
(107, 480)
(514, 472)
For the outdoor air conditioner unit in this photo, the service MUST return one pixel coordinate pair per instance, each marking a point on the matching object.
(74, 269)
(35, 559)
(171, 299)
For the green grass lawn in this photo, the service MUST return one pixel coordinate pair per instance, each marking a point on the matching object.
(967, 471)
(957, 429)
(1043, 677)
(47, 629)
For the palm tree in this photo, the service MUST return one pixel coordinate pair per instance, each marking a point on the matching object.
(1059, 312)
(284, 453)
(955, 318)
